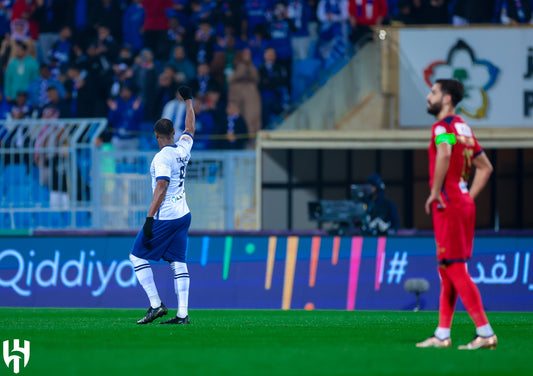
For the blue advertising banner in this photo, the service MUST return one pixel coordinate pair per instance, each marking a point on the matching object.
(269, 272)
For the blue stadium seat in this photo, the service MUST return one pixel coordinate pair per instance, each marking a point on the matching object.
(5, 221)
(23, 220)
(41, 195)
(15, 174)
(83, 219)
(18, 195)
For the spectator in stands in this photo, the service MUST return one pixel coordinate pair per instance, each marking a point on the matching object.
(233, 131)
(280, 36)
(107, 13)
(513, 12)
(21, 108)
(132, 24)
(255, 13)
(24, 9)
(122, 75)
(61, 50)
(203, 81)
(20, 71)
(125, 117)
(228, 12)
(4, 18)
(205, 125)
(83, 90)
(145, 79)
(431, 11)
(176, 32)
(226, 50)
(258, 44)
(203, 46)
(182, 65)
(19, 33)
(125, 55)
(180, 10)
(243, 91)
(174, 111)
(56, 103)
(50, 16)
(37, 88)
(405, 14)
(5, 107)
(300, 14)
(106, 45)
(166, 91)
(363, 15)
(333, 35)
(156, 26)
(273, 85)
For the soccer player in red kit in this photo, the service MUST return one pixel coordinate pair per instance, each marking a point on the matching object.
(452, 152)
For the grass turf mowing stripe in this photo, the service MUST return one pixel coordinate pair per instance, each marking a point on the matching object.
(257, 342)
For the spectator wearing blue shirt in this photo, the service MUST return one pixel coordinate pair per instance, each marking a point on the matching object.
(255, 12)
(125, 117)
(258, 44)
(132, 23)
(300, 14)
(62, 49)
(280, 37)
(5, 107)
(37, 88)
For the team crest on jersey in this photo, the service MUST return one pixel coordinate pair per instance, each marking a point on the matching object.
(477, 76)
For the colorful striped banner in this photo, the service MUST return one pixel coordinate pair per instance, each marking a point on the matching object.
(228, 243)
(290, 267)
(313, 264)
(380, 261)
(205, 250)
(272, 241)
(355, 263)
(335, 252)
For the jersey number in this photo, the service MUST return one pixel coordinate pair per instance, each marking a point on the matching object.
(182, 176)
(468, 154)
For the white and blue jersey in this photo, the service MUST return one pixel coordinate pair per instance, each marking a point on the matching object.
(170, 164)
(172, 220)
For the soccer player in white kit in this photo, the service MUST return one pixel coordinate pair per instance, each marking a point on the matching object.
(164, 234)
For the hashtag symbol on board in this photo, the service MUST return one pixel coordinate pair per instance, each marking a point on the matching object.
(397, 267)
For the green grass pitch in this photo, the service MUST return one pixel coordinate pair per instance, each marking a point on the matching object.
(257, 342)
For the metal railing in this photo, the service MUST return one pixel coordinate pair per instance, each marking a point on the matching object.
(55, 175)
(219, 187)
(45, 174)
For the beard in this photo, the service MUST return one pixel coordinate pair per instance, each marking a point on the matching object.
(434, 108)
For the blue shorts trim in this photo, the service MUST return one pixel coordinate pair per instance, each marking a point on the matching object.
(169, 242)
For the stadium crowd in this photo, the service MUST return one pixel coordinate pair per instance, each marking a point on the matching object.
(124, 59)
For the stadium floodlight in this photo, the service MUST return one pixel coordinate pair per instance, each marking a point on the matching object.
(417, 286)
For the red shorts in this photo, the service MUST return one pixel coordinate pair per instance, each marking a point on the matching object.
(454, 229)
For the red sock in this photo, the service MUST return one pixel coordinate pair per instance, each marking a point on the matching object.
(448, 298)
(468, 291)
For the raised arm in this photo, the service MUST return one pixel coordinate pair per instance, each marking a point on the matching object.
(190, 119)
(482, 174)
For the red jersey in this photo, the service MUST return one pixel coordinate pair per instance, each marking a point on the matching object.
(366, 12)
(464, 150)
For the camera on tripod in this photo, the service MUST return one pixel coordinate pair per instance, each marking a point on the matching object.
(348, 216)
